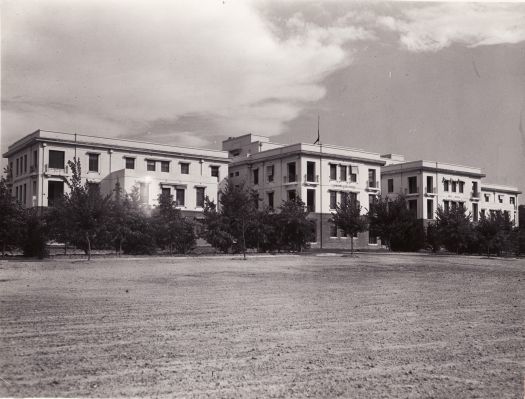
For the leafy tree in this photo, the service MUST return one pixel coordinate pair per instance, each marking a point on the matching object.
(215, 228)
(85, 209)
(294, 230)
(237, 208)
(11, 219)
(173, 231)
(496, 232)
(395, 224)
(348, 218)
(454, 228)
(432, 237)
(35, 234)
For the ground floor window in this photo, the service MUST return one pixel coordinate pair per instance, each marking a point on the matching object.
(372, 239)
(180, 196)
(55, 191)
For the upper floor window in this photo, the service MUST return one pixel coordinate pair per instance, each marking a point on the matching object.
(512, 200)
(333, 171)
(184, 168)
(372, 178)
(130, 163)
(500, 199)
(412, 185)
(214, 171)
(487, 197)
(255, 176)
(269, 173)
(180, 199)
(342, 172)
(25, 163)
(333, 199)
(93, 162)
(164, 166)
(56, 159)
(199, 191)
(461, 186)
(310, 171)
(35, 158)
(445, 185)
(150, 165)
(454, 186)
(390, 187)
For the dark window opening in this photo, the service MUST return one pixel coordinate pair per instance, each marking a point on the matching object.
(56, 159)
(255, 176)
(164, 166)
(200, 196)
(185, 168)
(150, 165)
(93, 162)
(130, 163)
(180, 196)
(55, 191)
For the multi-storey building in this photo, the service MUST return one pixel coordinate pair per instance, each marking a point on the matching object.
(496, 197)
(427, 185)
(320, 174)
(38, 165)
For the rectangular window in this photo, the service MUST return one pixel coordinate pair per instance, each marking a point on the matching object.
(55, 191)
(93, 162)
(454, 186)
(390, 185)
(474, 212)
(342, 172)
(445, 185)
(130, 163)
(412, 207)
(430, 209)
(269, 173)
(512, 200)
(25, 163)
(372, 239)
(453, 205)
(353, 176)
(344, 197)
(16, 193)
(184, 168)
(482, 213)
(372, 178)
(500, 199)
(412, 185)
(231, 174)
(270, 200)
(461, 186)
(430, 184)
(214, 170)
(333, 199)
(310, 200)
(35, 159)
(166, 191)
(255, 176)
(292, 176)
(56, 159)
(17, 166)
(446, 205)
(333, 171)
(371, 200)
(310, 171)
(150, 165)
(487, 197)
(164, 166)
(333, 230)
(24, 199)
(180, 197)
(199, 191)
(292, 195)
(237, 173)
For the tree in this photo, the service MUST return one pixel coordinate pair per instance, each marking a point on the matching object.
(215, 229)
(348, 218)
(85, 209)
(238, 208)
(454, 228)
(496, 232)
(11, 219)
(35, 234)
(294, 230)
(173, 231)
(395, 224)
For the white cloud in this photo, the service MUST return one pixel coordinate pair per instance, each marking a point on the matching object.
(434, 27)
(116, 67)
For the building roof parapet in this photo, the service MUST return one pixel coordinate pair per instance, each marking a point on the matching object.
(433, 166)
(500, 188)
(136, 145)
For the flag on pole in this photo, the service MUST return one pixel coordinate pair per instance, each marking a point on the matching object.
(318, 137)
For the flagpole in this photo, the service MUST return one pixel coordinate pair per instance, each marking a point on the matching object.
(320, 182)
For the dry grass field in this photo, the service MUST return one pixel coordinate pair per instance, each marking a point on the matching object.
(377, 326)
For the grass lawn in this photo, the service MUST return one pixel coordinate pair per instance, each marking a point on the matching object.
(378, 326)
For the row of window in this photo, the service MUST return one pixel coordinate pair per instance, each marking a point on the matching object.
(512, 200)
(448, 185)
(21, 164)
(179, 195)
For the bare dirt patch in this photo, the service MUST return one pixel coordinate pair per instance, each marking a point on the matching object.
(373, 326)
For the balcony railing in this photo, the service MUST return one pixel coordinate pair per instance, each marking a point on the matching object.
(430, 190)
(372, 184)
(310, 178)
(290, 179)
(475, 194)
(412, 190)
(60, 171)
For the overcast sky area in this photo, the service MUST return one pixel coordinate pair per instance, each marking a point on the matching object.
(434, 81)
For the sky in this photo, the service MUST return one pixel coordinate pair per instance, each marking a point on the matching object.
(440, 81)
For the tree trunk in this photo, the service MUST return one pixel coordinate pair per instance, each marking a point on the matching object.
(88, 246)
(351, 244)
(243, 241)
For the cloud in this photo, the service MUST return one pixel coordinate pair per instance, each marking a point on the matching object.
(120, 67)
(434, 27)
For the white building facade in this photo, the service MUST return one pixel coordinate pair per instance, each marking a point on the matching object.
(427, 185)
(38, 168)
(321, 175)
